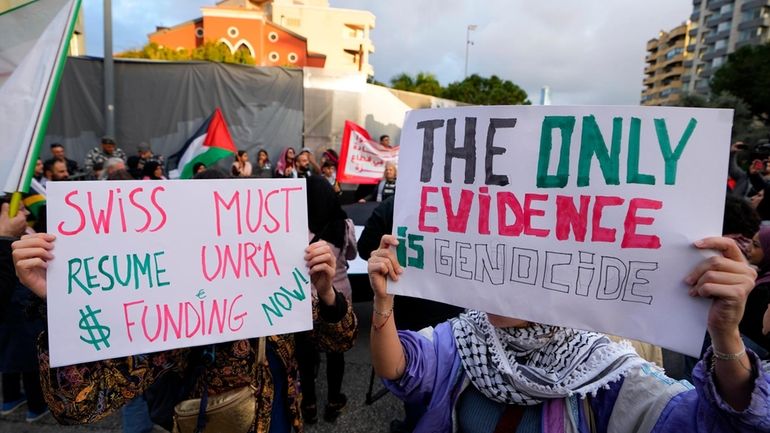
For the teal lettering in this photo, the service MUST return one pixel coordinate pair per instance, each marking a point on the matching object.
(72, 276)
(592, 143)
(632, 172)
(672, 158)
(106, 274)
(401, 247)
(566, 125)
(117, 273)
(89, 277)
(142, 268)
(274, 309)
(159, 270)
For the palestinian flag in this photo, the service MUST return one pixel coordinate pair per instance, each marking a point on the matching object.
(33, 49)
(210, 143)
(35, 200)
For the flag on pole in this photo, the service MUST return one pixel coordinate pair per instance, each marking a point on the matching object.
(210, 143)
(362, 160)
(33, 49)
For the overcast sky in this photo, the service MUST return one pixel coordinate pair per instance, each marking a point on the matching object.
(587, 51)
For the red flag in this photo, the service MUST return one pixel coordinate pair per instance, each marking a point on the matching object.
(362, 160)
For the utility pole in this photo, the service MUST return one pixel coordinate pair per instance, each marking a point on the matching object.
(109, 73)
(468, 44)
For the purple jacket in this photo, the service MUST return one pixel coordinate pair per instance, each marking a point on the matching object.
(645, 400)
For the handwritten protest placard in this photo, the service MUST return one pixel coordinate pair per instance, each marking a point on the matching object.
(147, 266)
(574, 216)
(362, 160)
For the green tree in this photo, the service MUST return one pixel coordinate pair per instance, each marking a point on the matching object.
(209, 51)
(746, 127)
(425, 83)
(746, 74)
(478, 90)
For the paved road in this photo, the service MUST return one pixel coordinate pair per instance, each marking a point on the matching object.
(357, 417)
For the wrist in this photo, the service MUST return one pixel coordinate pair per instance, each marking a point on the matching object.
(726, 341)
(383, 302)
(328, 297)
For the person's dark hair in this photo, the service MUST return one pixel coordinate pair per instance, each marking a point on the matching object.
(196, 166)
(763, 208)
(384, 136)
(213, 173)
(149, 169)
(739, 217)
(241, 153)
(55, 145)
(328, 164)
(325, 216)
(48, 165)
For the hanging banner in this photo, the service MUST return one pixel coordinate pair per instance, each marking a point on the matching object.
(144, 266)
(574, 216)
(362, 160)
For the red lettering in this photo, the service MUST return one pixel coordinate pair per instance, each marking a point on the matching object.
(198, 321)
(68, 201)
(147, 215)
(529, 212)
(599, 233)
(238, 318)
(425, 209)
(204, 268)
(102, 221)
(568, 216)
(630, 238)
(162, 213)
(129, 323)
(457, 222)
(248, 211)
(506, 200)
(270, 258)
(286, 209)
(270, 214)
(235, 201)
(144, 324)
(484, 204)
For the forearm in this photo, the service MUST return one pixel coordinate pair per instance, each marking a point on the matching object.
(733, 378)
(388, 357)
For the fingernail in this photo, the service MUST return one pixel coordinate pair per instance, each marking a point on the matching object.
(688, 280)
(699, 243)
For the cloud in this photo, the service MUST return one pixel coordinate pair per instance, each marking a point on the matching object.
(588, 51)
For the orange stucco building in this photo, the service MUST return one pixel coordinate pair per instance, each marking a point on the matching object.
(241, 29)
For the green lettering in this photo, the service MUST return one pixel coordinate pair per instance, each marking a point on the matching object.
(565, 124)
(672, 158)
(632, 172)
(159, 270)
(274, 309)
(89, 277)
(401, 247)
(592, 143)
(142, 268)
(105, 273)
(73, 275)
(117, 273)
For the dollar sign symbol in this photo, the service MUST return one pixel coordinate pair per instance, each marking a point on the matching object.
(90, 324)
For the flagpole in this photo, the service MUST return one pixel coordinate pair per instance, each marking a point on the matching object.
(15, 204)
(109, 72)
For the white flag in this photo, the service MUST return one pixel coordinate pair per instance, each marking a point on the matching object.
(34, 39)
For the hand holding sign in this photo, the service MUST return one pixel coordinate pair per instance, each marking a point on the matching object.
(382, 265)
(30, 257)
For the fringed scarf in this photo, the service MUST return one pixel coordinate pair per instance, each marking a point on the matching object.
(526, 366)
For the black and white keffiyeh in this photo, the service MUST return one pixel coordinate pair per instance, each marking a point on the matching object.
(528, 365)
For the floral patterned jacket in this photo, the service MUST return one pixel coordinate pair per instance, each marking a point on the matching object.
(88, 392)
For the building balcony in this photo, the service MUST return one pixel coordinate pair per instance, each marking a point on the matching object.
(724, 34)
(686, 78)
(652, 44)
(677, 32)
(650, 69)
(693, 32)
(672, 73)
(756, 22)
(758, 40)
(710, 39)
(650, 58)
(695, 17)
(649, 80)
(688, 63)
(715, 5)
(691, 48)
(753, 4)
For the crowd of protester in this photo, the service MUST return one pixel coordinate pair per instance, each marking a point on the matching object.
(455, 370)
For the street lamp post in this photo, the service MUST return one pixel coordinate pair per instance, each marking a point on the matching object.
(468, 44)
(109, 74)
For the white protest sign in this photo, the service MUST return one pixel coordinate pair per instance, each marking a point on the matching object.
(574, 216)
(362, 160)
(144, 266)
